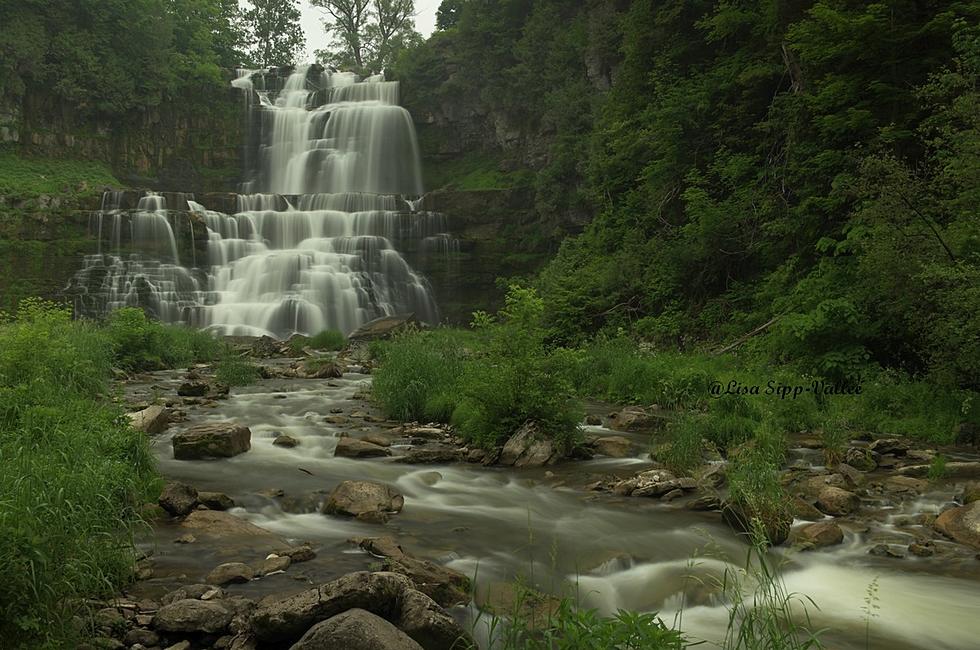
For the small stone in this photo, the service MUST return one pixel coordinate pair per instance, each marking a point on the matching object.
(142, 637)
(923, 549)
(186, 538)
(885, 550)
(285, 441)
(303, 553)
(216, 500)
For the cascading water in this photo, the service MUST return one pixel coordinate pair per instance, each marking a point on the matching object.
(315, 242)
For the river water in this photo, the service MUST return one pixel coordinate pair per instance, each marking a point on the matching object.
(498, 524)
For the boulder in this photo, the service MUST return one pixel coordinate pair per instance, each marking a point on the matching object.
(822, 533)
(152, 420)
(835, 501)
(906, 485)
(353, 448)
(635, 418)
(529, 448)
(802, 509)
(178, 499)
(861, 459)
(613, 446)
(971, 492)
(382, 328)
(230, 573)
(431, 455)
(355, 629)
(225, 526)
(282, 440)
(212, 440)
(443, 585)
(216, 500)
(893, 446)
(961, 524)
(190, 615)
(362, 499)
(389, 595)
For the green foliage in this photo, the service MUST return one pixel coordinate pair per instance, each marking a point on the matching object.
(236, 371)
(488, 383)
(274, 28)
(937, 468)
(332, 340)
(142, 344)
(29, 177)
(74, 475)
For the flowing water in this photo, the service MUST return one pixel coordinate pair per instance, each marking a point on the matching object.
(317, 241)
(497, 524)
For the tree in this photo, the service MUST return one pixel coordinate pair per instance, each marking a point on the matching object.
(275, 31)
(448, 14)
(367, 34)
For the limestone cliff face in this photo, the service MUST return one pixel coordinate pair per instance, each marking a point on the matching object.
(187, 144)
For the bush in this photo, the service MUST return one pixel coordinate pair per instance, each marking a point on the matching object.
(236, 371)
(328, 340)
(142, 344)
(74, 475)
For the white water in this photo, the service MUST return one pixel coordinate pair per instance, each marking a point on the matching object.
(313, 244)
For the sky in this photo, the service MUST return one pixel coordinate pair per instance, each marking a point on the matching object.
(316, 39)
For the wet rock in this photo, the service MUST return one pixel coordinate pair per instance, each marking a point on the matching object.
(676, 493)
(852, 477)
(893, 446)
(801, 509)
(442, 584)
(613, 446)
(272, 564)
(961, 524)
(861, 459)
(714, 475)
(282, 440)
(658, 483)
(814, 485)
(742, 519)
(180, 645)
(476, 456)
(216, 500)
(922, 549)
(335, 419)
(355, 629)
(705, 503)
(382, 328)
(320, 370)
(905, 485)
(302, 553)
(529, 448)
(430, 455)
(635, 419)
(971, 493)
(354, 448)
(955, 470)
(362, 499)
(886, 550)
(385, 594)
(217, 524)
(192, 616)
(822, 533)
(380, 439)
(201, 388)
(593, 420)
(188, 592)
(185, 539)
(230, 573)
(143, 637)
(152, 420)
(178, 498)
(212, 440)
(837, 502)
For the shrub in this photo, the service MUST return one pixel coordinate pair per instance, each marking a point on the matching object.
(937, 468)
(142, 344)
(236, 371)
(328, 340)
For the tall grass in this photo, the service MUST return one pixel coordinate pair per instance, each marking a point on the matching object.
(142, 344)
(74, 475)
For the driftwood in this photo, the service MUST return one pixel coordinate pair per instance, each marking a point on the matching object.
(743, 339)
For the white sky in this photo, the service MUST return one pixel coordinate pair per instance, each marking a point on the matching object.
(316, 39)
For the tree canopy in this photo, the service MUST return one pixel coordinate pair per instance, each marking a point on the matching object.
(367, 35)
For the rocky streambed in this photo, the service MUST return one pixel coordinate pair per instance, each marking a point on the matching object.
(296, 514)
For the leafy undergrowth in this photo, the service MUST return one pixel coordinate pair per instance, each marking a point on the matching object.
(32, 176)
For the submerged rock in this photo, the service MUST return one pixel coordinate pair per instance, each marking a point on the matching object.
(363, 499)
(355, 629)
(212, 440)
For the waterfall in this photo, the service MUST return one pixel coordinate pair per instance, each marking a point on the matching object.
(315, 242)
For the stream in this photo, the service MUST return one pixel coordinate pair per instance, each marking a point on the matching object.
(497, 524)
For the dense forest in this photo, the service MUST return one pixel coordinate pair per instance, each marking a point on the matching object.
(726, 383)
(813, 164)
